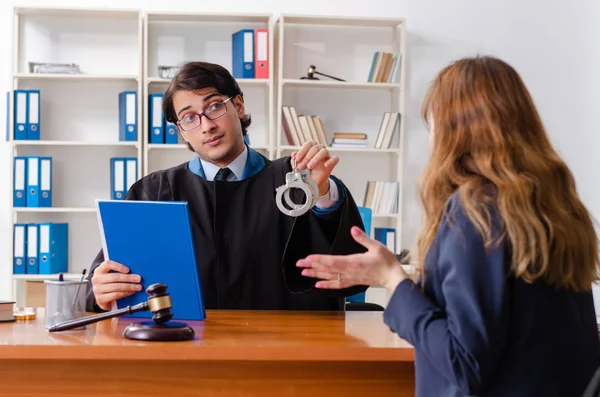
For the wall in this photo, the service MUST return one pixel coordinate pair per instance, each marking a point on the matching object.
(547, 41)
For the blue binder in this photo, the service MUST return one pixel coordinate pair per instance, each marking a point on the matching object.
(366, 215)
(128, 116)
(131, 172)
(20, 248)
(117, 178)
(386, 236)
(156, 122)
(33, 115)
(20, 181)
(8, 116)
(33, 181)
(242, 61)
(33, 245)
(21, 110)
(54, 248)
(171, 136)
(45, 182)
(154, 239)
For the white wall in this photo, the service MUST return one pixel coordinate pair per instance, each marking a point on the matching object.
(550, 42)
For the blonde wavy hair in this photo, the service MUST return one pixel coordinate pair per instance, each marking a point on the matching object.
(488, 136)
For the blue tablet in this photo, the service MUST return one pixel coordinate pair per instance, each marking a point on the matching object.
(153, 239)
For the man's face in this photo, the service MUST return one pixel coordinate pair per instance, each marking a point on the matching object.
(220, 140)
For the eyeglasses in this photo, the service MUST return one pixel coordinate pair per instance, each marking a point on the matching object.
(213, 112)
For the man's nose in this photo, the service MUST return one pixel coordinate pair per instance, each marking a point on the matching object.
(207, 124)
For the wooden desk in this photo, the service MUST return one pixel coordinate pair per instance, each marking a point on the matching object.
(236, 353)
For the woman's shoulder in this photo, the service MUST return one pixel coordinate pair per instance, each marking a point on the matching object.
(461, 204)
(471, 214)
(454, 210)
(470, 231)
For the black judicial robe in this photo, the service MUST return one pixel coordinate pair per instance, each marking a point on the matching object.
(246, 249)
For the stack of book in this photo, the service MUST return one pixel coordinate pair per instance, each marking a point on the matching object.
(385, 67)
(7, 311)
(299, 128)
(349, 140)
(382, 197)
(389, 125)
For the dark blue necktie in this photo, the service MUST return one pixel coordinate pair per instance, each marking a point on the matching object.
(223, 174)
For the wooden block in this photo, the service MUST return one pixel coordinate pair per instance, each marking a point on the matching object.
(35, 294)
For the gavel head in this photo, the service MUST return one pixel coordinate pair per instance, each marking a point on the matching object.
(159, 303)
(311, 70)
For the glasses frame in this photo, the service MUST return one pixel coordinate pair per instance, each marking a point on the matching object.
(203, 113)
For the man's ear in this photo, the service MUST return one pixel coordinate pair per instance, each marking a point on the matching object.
(239, 106)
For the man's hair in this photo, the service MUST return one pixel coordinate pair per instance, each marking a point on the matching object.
(198, 75)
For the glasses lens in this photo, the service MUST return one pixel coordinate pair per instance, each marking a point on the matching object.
(216, 110)
(190, 121)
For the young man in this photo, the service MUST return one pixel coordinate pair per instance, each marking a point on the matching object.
(246, 247)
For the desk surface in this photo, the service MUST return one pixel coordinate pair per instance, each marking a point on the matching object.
(224, 335)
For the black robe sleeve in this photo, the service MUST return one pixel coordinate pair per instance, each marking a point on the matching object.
(322, 234)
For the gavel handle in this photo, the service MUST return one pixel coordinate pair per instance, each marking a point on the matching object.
(78, 322)
(331, 77)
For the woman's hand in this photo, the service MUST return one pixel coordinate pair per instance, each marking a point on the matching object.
(376, 267)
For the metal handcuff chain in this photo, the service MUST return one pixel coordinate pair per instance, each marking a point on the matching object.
(297, 179)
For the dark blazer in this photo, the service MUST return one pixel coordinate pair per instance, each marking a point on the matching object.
(478, 331)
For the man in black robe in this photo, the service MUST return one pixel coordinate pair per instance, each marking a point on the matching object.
(246, 248)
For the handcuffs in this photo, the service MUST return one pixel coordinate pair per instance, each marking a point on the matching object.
(297, 179)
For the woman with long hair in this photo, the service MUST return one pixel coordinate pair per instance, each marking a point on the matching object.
(507, 253)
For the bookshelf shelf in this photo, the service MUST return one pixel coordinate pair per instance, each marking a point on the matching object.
(78, 12)
(160, 146)
(338, 84)
(207, 17)
(385, 216)
(39, 277)
(342, 21)
(346, 149)
(55, 210)
(241, 82)
(73, 143)
(75, 77)
(183, 146)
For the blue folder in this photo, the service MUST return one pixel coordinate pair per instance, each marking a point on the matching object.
(242, 52)
(154, 239)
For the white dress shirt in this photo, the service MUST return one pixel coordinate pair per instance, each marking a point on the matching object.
(237, 171)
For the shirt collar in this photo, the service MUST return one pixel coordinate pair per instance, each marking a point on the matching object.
(236, 166)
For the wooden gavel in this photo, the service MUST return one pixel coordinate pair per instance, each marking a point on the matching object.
(158, 303)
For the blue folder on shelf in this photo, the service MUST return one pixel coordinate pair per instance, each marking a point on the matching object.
(242, 52)
(154, 239)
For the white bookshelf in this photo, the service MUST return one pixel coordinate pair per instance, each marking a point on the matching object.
(79, 123)
(171, 39)
(79, 112)
(344, 48)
